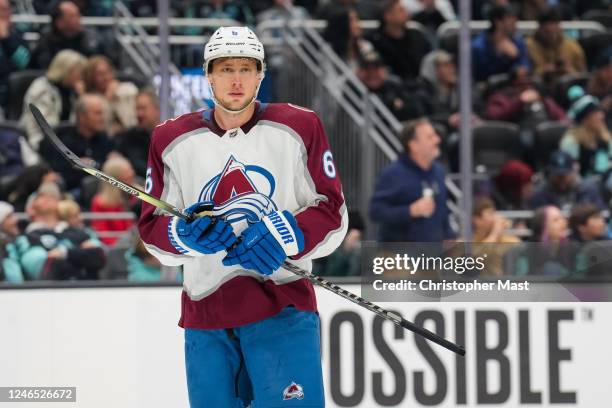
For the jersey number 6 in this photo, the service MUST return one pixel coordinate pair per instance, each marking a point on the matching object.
(328, 164)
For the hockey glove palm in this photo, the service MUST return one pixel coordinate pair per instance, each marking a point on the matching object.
(264, 246)
(206, 235)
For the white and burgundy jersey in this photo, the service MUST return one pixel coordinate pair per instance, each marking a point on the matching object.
(279, 160)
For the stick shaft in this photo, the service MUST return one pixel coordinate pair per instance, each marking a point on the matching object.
(164, 206)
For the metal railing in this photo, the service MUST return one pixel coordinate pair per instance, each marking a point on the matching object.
(525, 27)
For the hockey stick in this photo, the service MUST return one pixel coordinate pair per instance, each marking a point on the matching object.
(162, 205)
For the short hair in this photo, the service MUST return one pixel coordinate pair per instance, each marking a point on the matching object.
(497, 13)
(409, 129)
(151, 94)
(89, 70)
(81, 104)
(63, 62)
(55, 10)
(115, 165)
(481, 205)
(581, 213)
(67, 208)
(384, 8)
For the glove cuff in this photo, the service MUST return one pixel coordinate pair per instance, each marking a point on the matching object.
(175, 239)
(284, 229)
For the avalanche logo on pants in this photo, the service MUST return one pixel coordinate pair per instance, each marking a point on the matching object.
(241, 192)
(293, 391)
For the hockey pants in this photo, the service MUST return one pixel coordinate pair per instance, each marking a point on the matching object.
(272, 363)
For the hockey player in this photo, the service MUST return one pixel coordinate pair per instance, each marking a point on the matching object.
(268, 172)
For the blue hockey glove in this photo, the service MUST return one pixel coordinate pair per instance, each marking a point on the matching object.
(264, 246)
(206, 235)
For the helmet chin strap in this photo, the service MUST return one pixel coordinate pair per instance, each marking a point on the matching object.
(218, 104)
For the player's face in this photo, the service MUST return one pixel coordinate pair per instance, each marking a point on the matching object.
(234, 81)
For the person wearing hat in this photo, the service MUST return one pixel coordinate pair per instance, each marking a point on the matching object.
(550, 51)
(512, 185)
(498, 49)
(562, 187)
(588, 141)
(439, 81)
(404, 101)
(600, 81)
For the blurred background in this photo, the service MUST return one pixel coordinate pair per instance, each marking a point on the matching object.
(521, 110)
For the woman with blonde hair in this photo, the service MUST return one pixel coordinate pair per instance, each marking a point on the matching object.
(99, 77)
(53, 93)
(110, 199)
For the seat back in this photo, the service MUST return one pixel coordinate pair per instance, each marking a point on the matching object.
(546, 139)
(494, 143)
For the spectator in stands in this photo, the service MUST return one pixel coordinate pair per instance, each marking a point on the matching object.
(99, 77)
(70, 213)
(225, 9)
(328, 8)
(513, 185)
(8, 222)
(66, 32)
(110, 199)
(587, 223)
(588, 141)
(88, 140)
(51, 249)
(134, 142)
(498, 49)
(409, 199)
(11, 160)
(141, 265)
(10, 269)
(28, 182)
(531, 9)
(400, 48)
(53, 93)
(521, 102)
(563, 187)
(15, 53)
(552, 53)
(439, 81)
(345, 36)
(345, 261)
(285, 11)
(490, 229)
(551, 255)
(600, 81)
(404, 102)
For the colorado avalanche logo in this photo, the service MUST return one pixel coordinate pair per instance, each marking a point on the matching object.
(241, 192)
(293, 391)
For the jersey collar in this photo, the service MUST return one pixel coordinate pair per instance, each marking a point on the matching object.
(208, 116)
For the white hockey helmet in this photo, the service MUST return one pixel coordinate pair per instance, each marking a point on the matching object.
(233, 42)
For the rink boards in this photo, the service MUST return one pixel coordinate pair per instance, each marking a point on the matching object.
(121, 347)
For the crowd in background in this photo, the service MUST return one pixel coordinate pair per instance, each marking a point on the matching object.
(106, 118)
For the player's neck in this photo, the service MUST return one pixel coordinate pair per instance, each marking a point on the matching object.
(227, 120)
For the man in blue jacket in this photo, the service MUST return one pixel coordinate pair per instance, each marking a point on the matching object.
(499, 49)
(409, 199)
